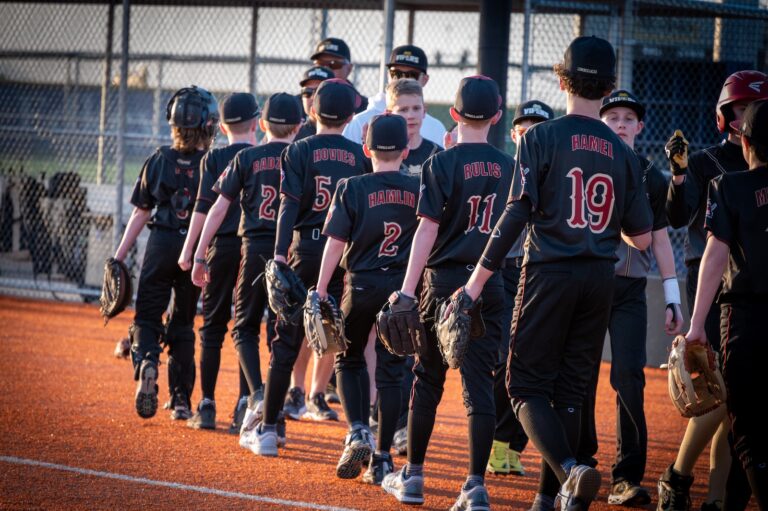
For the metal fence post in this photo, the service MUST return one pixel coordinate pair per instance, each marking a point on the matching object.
(122, 108)
(493, 55)
(253, 52)
(105, 93)
(627, 48)
(524, 70)
(388, 36)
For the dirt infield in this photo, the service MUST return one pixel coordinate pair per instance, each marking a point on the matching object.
(72, 440)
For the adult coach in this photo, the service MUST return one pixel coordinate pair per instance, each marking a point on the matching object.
(737, 248)
(333, 53)
(578, 187)
(406, 61)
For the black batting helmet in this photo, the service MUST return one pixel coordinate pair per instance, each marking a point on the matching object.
(192, 107)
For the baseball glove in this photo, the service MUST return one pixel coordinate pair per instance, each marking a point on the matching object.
(677, 153)
(323, 324)
(116, 289)
(398, 325)
(457, 326)
(695, 383)
(285, 291)
(123, 348)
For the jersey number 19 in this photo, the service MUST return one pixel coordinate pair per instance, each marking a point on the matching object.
(591, 203)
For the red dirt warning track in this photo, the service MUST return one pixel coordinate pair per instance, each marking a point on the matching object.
(72, 440)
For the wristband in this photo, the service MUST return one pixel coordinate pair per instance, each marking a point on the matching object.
(200, 260)
(671, 290)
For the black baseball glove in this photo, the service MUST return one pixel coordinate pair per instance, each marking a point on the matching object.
(399, 326)
(458, 320)
(116, 289)
(285, 291)
(323, 324)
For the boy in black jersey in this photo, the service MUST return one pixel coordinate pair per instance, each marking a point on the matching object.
(736, 251)
(686, 205)
(238, 112)
(163, 198)
(461, 197)
(310, 171)
(254, 177)
(578, 188)
(370, 227)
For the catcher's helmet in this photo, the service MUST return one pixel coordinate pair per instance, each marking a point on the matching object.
(192, 107)
(740, 86)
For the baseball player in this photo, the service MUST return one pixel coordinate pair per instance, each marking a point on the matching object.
(223, 257)
(333, 53)
(737, 220)
(578, 187)
(460, 200)
(686, 205)
(406, 61)
(163, 198)
(311, 170)
(254, 176)
(510, 439)
(370, 227)
(309, 82)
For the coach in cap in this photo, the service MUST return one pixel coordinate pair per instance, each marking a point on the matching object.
(333, 53)
(406, 61)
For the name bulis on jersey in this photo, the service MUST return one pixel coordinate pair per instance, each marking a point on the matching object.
(482, 169)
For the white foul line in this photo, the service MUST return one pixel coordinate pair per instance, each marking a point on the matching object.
(166, 484)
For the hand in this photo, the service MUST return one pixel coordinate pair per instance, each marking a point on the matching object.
(677, 153)
(322, 292)
(185, 261)
(450, 138)
(696, 335)
(673, 323)
(200, 275)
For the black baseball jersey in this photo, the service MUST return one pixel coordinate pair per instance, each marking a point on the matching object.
(311, 170)
(632, 262)
(737, 214)
(687, 203)
(168, 181)
(307, 129)
(463, 189)
(417, 157)
(213, 165)
(254, 176)
(585, 186)
(375, 215)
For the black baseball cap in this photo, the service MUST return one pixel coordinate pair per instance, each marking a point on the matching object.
(478, 98)
(316, 73)
(238, 107)
(623, 98)
(534, 110)
(409, 55)
(590, 56)
(754, 123)
(282, 108)
(336, 99)
(387, 132)
(332, 46)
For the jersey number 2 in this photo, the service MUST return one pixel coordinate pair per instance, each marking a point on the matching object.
(268, 195)
(392, 231)
(591, 203)
(474, 213)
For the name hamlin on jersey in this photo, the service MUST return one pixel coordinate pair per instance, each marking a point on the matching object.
(333, 154)
(592, 143)
(482, 169)
(381, 197)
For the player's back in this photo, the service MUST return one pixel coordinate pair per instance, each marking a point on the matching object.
(584, 184)
(463, 189)
(213, 165)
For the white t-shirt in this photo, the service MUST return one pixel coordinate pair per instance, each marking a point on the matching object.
(431, 128)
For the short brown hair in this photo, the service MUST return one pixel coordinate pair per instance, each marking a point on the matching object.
(331, 123)
(386, 156)
(583, 86)
(239, 128)
(280, 130)
(190, 140)
(403, 87)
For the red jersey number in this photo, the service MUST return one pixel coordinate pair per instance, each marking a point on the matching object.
(268, 196)
(591, 203)
(322, 193)
(392, 231)
(475, 215)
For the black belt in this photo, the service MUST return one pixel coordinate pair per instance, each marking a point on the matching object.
(310, 233)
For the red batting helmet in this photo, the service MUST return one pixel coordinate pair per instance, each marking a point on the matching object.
(740, 86)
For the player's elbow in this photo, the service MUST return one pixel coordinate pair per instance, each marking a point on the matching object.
(639, 241)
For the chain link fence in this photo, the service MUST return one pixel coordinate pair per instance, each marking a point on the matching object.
(60, 156)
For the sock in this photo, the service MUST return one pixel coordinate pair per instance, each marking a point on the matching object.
(250, 364)
(278, 382)
(472, 481)
(543, 501)
(210, 361)
(265, 428)
(207, 401)
(567, 465)
(481, 428)
(549, 485)
(389, 408)
(412, 469)
(543, 426)
(356, 425)
(419, 431)
(350, 392)
(365, 399)
(244, 390)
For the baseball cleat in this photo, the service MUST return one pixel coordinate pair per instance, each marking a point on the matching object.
(474, 499)
(408, 490)
(674, 491)
(378, 468)
(625, 493)
(263, 443)
(238, 415)
(580, 489)
(295, 404)
(357, 450)
(318, 409)
(204, 417)
(146, 390)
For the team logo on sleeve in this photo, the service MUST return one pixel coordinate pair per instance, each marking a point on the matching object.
(711, 207)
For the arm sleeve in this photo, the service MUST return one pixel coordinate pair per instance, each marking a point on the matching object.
(338, 223)
(292, 168)
(511, 223)
(142, 192)
(230, 183)
(436, 186)
(205, 194)
(636, 218)
(656, 186)
(718, 217)
(525, 177)
(286, 219)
